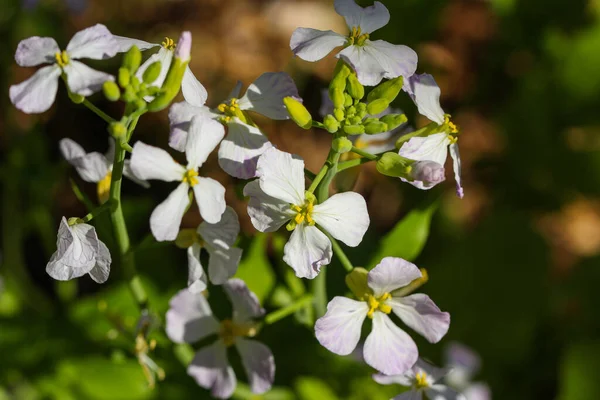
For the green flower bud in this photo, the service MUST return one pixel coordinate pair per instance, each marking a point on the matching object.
(298, 112)
(354, 129)
(331, 124)
(376, 127)
(74, 221)
(357, 282)
(135, 83)
(111, 91)
(377, 106)
(152, 72)
(350, 111)
(117, 130)
(339, 77)
(132, 59)
(354, 88)
(341, 145)
(393, 120)
(75, 98)
(339, 114)
(348, 101)
(361, 109)
(392, 164)
(356, 120)
(124, 77)
(388, 90)
(129, 96)
(140, 104)
(337, 97)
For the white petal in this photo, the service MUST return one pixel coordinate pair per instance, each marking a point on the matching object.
(166, 217)
(457, 169)
(223, 233)
(404, 379)
(312, 44)
(390, 274)
(265, 95)
(77, 249)
(95, 42)
(203, 137)
(245, 303)
(431, 148)
(193, 91)
(344, 216)
(165, 57)
(223, 263)
(70, 149)
(84, 80)
(420, 313)
(369, 19)
(432, 372)
(149, 162)
(35, 51)
(258, 363)
(307, 250)
(101, 270)
(388, 348)
(197, 281)
(459, 356)
(125, 43)
(266, 213)
(210, 197)
(128, 173)
(190, 318)
(426, 95)
(478, 391)
(339, 329)
(379, 59)
(211, 370)
(92, 167)
(180, 116)
(241, 148)
(443, 392)
(36, 94)
(281, 176)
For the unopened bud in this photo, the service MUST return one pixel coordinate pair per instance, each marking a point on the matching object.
(184, 47)
(152, 72)
(111, 91)
(361, 110)
(339, 114)
(331, 124)
(392, 164)
(124, 77)
(357, 282)
(341, 145)
(129, 95)
(388, 90)
(117, 130)
(377, 106)
(348, 100)
(354, 129)
(298, 112)
(354, 87)
(132, 59)
(337, 97)
(350, 111)
(375, 127)
(339, 77)
(428, 172)
(393, 120)
(76, 98)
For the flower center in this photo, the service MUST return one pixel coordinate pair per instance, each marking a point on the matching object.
(421, 380)
(189, 177)
(378, 304)
(169, 43)
(229, 110)
(452, 127)
(103, 187)
(229, 331)
(357, 37)
(62, 58)
(303, 214)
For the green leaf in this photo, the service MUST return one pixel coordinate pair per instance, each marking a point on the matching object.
(255, 268)
(579, 372)
(309, 388)
(408, 237)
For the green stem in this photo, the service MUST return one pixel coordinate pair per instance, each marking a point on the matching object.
(339, 252)
(352, 163)
(275, 316)
(97, 211)
(317, 124)
(425, 131)
(98, 111)
(318, 178)
(364, 154)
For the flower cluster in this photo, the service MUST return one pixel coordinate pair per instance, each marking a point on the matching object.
(363, 127)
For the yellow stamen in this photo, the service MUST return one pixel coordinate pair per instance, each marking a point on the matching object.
(357, 37)
(452, 127)
(421, 380)
(62, 58)
(229, 110)
(190, 177)
(103, 188)
(303, 214)
(378, 304)
(230, 331)
(169, 43)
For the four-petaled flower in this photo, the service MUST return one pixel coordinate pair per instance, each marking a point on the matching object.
(148, 162)
(218, 240)
(79, 252)
(244, 143)
(381, 291)
(422, 378)
(372, 60)
(462, 364)
(278, 196)
(96, 167)
(426, 95)
(190, 319)
(36, 94)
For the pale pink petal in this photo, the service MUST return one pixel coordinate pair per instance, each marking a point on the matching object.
(392, 273)
(258, 363)
(190, 318)
(307, 250)
(166, 217)
(420, 313)
(211, 370)
(339, 329)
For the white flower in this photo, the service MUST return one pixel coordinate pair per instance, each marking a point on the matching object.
(463, 363)
(372, 60)
(426, 95)
(190, 319)
(388, 348)
(36, 94)
(278, 196)
(79, 252)
(193, 91)
(244, 142)
(218, 240)
(422, 378)
(95, 167)
(148, 162)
